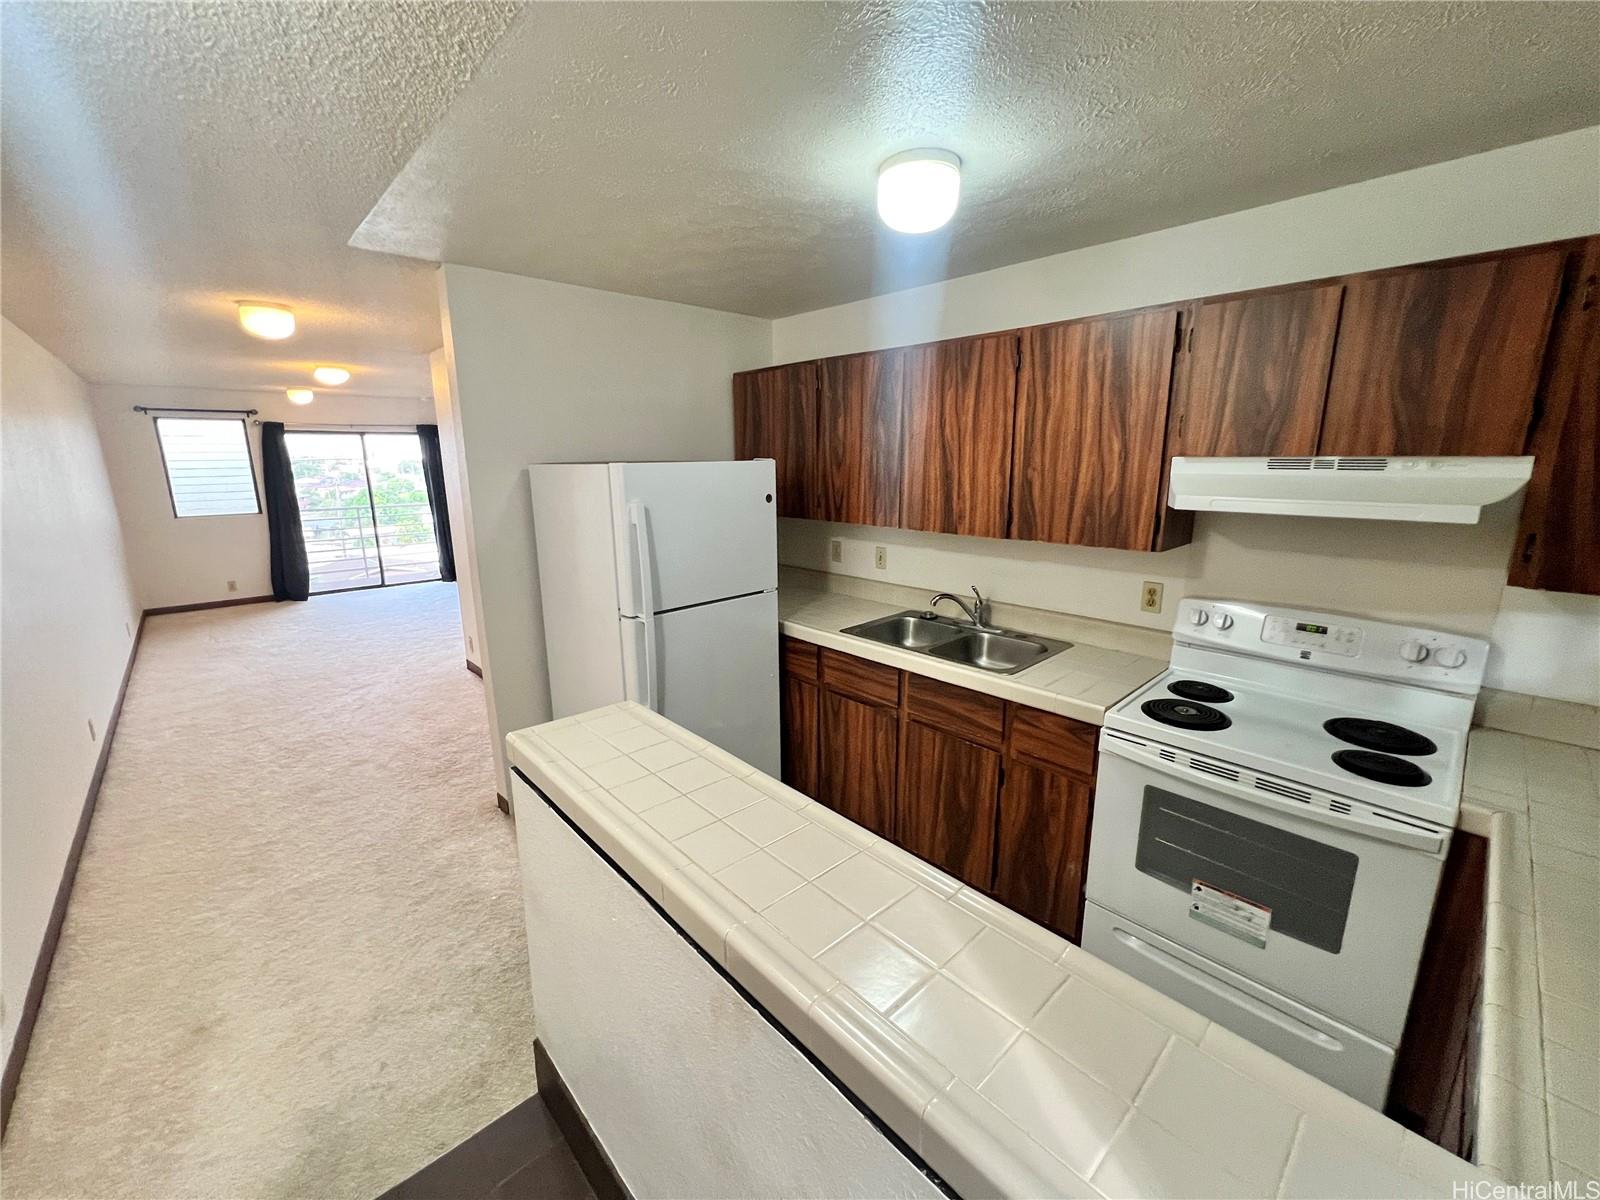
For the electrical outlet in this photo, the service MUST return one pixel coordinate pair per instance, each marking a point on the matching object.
(233, 585)
(835, 550)
(91, 730)
(1150, 596)
(880, 558)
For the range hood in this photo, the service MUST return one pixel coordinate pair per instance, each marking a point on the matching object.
(1449, 491)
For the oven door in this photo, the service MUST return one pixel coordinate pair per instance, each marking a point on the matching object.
(1325, 907)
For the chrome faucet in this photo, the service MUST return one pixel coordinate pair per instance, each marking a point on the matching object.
(977, 612)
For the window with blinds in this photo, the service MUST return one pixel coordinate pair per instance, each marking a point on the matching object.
(209, 472)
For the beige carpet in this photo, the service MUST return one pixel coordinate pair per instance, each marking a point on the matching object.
(294, 962)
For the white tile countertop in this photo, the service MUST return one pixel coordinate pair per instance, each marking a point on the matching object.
(1012, 1062)
(1538, 803)
(1080, 682)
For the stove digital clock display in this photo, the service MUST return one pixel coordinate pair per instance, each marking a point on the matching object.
(1309, 635)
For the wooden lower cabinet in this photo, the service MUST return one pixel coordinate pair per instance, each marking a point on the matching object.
(1043, 844)
(858, 753)
(948, 791)
(996, 794)
(802, 703)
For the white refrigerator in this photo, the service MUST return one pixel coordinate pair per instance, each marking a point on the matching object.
(659, 584)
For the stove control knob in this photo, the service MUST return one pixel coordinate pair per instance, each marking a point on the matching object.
(1223, 621)
(1199, 616)
(1413, 651)
(1451, 656)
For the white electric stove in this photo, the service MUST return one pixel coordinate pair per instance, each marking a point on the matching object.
(1271, 819)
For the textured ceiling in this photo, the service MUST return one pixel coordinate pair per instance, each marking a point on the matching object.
(724, 154)
(160, 161)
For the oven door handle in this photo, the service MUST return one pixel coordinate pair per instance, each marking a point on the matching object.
(1354, 822)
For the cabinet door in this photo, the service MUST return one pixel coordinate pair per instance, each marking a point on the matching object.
(1258, 374)
(858, 753)
(948, 790)
(775, 416)
(1043, 844)
(1558, 547)
(960, 400)
(860, 403)
(801, 702)
(1441, 360)
(1091, 430)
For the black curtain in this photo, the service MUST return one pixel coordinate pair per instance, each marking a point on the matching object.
(291, 577)
(433, 476)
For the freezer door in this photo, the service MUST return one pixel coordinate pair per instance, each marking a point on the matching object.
(714, 670)
(705, 531)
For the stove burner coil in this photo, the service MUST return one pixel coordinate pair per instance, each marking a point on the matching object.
(1185, 714)
(1195, 689)
(1382, 768)
(1380, 736)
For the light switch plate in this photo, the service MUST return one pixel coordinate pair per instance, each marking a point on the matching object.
(880, 558)
(835, 550)
(1150, 596)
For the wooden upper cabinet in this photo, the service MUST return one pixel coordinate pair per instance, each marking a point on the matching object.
(1258, 373)
(1091, 424)
(860, 403)
(1441, 359)
(960, 398)
(775, 416)
(1558, 546)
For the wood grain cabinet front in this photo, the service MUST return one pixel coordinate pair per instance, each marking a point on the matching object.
(1088, 452)
(960, 404)
(801, 699)
(775, 416)
(948, 791)
(858, 754)
(1258, 373)
(860, 414)
(1042, 853)
(1441, 359)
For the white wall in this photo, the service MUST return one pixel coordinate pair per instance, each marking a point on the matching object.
(190, 560)
(444, 411)
(1549, 645)
(547, 372)
(1445, 576)
(69, 614)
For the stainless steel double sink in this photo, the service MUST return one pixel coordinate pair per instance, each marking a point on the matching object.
(1001, 651)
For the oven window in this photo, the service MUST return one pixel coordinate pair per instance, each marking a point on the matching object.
(1305, 883)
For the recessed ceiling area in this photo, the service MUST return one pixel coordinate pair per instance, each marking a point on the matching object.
(162, 161)
(726, 154)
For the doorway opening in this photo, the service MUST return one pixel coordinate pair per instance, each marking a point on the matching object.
(363, 509)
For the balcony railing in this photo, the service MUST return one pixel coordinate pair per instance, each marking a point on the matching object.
(343, 548)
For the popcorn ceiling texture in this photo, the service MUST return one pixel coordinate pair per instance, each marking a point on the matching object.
(294, 962)
(725, 154)
(162, 160)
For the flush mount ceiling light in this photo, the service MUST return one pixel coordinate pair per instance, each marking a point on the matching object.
(918, 190)
(270, 321)
(332, 376)
(300, 395)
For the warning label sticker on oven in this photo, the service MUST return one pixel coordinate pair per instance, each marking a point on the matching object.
(1233, 914)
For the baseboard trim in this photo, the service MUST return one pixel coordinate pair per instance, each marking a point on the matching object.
(592, 1158)
(475, 668)
(58, 910)
(182, 608)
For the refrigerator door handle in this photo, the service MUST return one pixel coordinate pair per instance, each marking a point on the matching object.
(639, 531)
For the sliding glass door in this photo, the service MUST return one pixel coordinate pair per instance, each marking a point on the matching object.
(363, 508)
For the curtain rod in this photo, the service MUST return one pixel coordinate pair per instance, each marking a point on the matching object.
(155, 408)
(304, 425)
